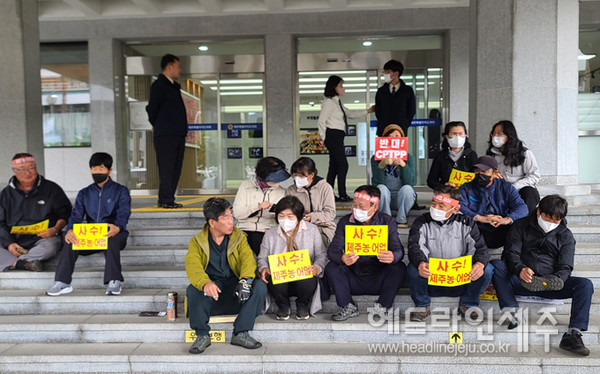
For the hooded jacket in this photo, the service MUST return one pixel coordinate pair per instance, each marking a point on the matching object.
(526, 174)
(456, 237)
(528, 246)
(442, 165)
(239, 256)
(45, 201)
(245, 206)
(318, 200)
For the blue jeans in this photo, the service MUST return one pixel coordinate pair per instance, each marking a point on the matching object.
(508, 285)
(397, 197)
(421, 292)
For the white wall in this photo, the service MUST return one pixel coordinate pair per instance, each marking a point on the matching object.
(69, 168)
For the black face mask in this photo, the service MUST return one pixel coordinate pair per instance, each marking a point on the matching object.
(483, 180)
(99, 177)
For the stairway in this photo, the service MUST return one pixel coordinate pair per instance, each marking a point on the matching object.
(89, 332)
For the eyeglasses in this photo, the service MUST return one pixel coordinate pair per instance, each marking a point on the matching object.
(24, 170)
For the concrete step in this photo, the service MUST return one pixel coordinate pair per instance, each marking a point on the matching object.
(288, 358)
(110, 328)
(135, 300)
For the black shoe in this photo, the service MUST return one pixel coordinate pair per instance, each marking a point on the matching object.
(343, 199)
(462, 311)
(574, 343)
(243, 339)
(420, 316)
(546, 283)
(302, 312)
(283, 314)
(201, 343)
(35, 265)
(170, 206)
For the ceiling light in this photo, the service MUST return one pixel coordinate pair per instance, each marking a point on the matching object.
(356, 101)
(367, 43)
(203, 48)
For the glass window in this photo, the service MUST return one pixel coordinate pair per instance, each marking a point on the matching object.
(65, 94)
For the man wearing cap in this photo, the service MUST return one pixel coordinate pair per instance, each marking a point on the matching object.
(350, 274)
(445, 233)
(492, 202)
(395, 101)
(395, 177)
(28, 201)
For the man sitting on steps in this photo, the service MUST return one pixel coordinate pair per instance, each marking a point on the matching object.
(222, 271)
(538, 260)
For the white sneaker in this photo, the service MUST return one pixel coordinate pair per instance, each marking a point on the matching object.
(114, 288)
(59, 288)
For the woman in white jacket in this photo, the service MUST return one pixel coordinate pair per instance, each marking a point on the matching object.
(291, 234)
(254, 202)
(516, 163)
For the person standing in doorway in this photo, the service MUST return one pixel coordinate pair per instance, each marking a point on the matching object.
(395, 101)
(333, 127)
(166, 113)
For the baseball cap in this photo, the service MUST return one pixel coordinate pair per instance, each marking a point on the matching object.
(485, 163)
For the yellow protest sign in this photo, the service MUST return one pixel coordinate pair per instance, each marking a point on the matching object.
(450, 272)
(458, 178)
(290, 266)
(215, 336)
(90, 236)
(366, 240)
(36, 228)
(489, 293)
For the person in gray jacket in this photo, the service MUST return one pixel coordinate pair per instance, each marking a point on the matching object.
(445, 233)
(291, 234)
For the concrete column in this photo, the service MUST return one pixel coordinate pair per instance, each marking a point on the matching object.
(280, 75)
(457, 62)
(109, 128)
(20, 102)
(524, 60)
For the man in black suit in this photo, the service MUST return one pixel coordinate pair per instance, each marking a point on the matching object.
(394, 101)
(168, 117)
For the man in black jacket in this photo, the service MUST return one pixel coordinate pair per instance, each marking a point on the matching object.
(537, 261)
(394, 101)
(30, 199)
(168, 117)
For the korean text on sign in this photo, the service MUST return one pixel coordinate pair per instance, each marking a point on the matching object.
(386, 147)
(366, 240)
(290, 266)
(36, 228)
(458, 178)
(450, 272)
(90, 236)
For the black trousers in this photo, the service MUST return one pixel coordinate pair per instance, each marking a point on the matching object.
(254, 240)
(112, 267)
(303, 289)
(494, 237)
(169, 157)
(338, 164)
(530, 196)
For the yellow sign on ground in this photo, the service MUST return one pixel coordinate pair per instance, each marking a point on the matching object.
(290, 266)
(450, 272)
(36, 228)
(489, 293)
(215, 336)
(456, 338)
(458, 178)
(90, 236)
(366, 240)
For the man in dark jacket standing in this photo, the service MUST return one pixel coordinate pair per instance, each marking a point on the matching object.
(349, 274)
(30, 199)
(394, 101)
(104, 201)
(492, 202)
(168, 117)
(538, 260)
(445, 233)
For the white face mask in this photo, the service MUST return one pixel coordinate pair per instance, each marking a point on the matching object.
(545, 225)
(301, 181)
(387, 78)
(437, 214)
(498, 141)
(361, 215)
(287, 225)
(457, 141)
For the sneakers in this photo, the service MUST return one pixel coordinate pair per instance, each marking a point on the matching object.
(201, 343)
(462, 311)
(59, 288)
(114, 287)
(574, 343)
(420, 316)
(379, 310)
(349, 311)
(35, 265)
(243, 339)
(546, 283)
(302, 312)
(283, 314)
